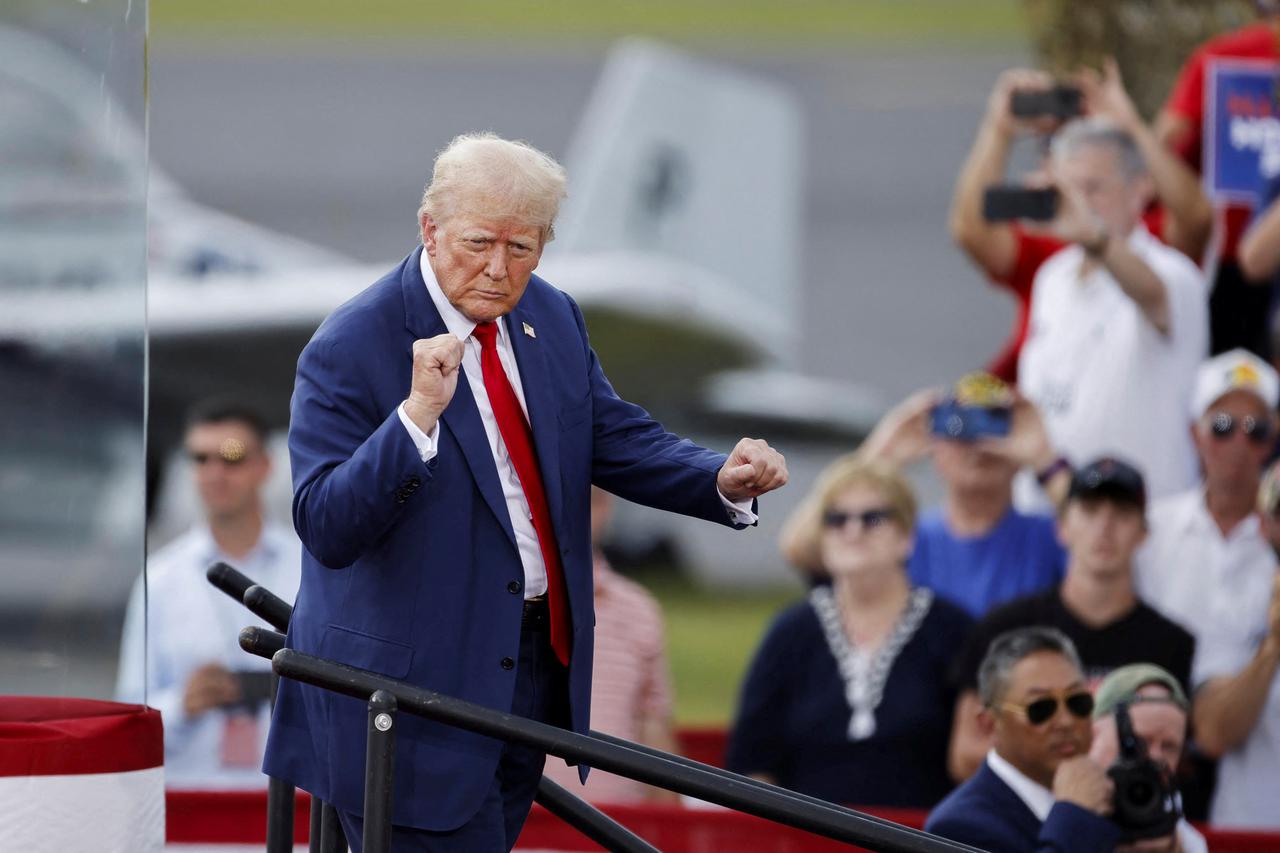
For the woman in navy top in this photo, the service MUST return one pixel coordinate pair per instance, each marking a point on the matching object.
(847, 697)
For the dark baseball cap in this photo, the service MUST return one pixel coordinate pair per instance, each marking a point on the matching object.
(1109, 478)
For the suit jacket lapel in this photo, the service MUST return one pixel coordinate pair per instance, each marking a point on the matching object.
(461, 417)
(540, 397)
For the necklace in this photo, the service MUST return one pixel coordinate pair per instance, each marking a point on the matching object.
(864, 673)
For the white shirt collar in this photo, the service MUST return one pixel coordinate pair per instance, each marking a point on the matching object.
(270, 544)
(1037, 797)
(1200, 520)
(458, 324)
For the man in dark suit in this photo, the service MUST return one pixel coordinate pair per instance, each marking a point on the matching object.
(447, 425)
(1038, 789)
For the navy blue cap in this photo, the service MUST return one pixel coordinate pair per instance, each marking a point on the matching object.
(1109, 478)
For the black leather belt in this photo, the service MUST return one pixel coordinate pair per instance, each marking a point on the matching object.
(536, 613)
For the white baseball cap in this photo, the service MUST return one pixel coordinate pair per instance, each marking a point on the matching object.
(1237, 370)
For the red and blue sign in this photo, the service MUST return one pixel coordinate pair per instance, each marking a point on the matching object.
(1242, 128)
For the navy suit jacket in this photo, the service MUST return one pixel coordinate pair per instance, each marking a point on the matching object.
(410, 569)
(986, 813)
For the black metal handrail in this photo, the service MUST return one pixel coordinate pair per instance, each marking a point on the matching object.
(265, 643)
(387, 696)
(723, 788)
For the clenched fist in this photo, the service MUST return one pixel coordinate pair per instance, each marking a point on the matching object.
(435, 378)
(752, 469)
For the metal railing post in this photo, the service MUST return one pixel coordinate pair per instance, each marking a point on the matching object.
(379, 772)
(280, 796)
(332, 839)
(313, 835)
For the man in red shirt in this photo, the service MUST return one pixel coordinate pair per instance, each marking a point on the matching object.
(1009, 253)
(1237, 311)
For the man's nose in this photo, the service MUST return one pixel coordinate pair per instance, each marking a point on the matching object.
(496, 266)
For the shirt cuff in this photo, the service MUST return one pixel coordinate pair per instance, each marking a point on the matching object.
(426, 443)
(739, 511)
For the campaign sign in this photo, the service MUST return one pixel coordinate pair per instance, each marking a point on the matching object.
(1241, 129)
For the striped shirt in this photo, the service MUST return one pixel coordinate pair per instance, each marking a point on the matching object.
(630, 679)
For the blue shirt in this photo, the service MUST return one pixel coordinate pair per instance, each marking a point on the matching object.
(1018, 557)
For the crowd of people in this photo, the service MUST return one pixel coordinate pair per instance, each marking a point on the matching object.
(1103, 562)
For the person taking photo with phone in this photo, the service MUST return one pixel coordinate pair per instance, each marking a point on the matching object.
(1119, 320)
(1026, 103)
(974, 548)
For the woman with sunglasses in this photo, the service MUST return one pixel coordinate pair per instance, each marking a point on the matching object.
(847, 696)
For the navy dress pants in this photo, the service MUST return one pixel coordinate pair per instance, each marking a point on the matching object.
(541, 694)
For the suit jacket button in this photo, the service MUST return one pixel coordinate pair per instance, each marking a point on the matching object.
(514, 587)
(401, 496)
(508, 664)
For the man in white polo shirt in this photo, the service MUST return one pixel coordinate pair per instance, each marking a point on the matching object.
(1119, 320)
(1207, 565)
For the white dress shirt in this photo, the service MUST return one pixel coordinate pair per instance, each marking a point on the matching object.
(1037, 797)
(1105, 380)
(188, 623)
(1219, 587)
(535, 572)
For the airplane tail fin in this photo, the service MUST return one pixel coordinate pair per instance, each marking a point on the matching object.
(680, 157)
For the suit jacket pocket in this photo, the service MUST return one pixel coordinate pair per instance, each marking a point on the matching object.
(355, 648)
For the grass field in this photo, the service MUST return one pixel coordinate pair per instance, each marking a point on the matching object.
(766, 22)
(711, 636)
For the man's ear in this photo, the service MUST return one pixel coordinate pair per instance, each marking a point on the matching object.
(429, 230)
(987, 722)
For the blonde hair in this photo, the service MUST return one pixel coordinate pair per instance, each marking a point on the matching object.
(484, 173)
(800, 541)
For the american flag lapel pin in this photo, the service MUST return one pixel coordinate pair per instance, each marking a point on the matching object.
(528, 330)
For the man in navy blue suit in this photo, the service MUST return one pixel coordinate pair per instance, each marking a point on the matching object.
(1037, 789)
(447, 424)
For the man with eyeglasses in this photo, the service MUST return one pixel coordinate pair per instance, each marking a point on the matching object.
(211, 695)
(1037, 788)
(1208, 565)
(1102, 523)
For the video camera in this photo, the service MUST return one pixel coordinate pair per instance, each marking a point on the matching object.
(1146, 800)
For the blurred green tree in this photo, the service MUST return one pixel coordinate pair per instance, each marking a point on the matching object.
(1150, 39)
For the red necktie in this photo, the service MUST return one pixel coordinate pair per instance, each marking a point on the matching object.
(518, 439)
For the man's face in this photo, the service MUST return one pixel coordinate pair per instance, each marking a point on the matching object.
(1101, 535)
(1094, 172)
(483, 262)
(1037, 750)
(1163, 725)
(966, 467)
(229, 465)
(1233, 461)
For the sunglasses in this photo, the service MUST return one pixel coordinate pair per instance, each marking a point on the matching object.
(867, 519)
(1041, 710)
(1223, 425)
